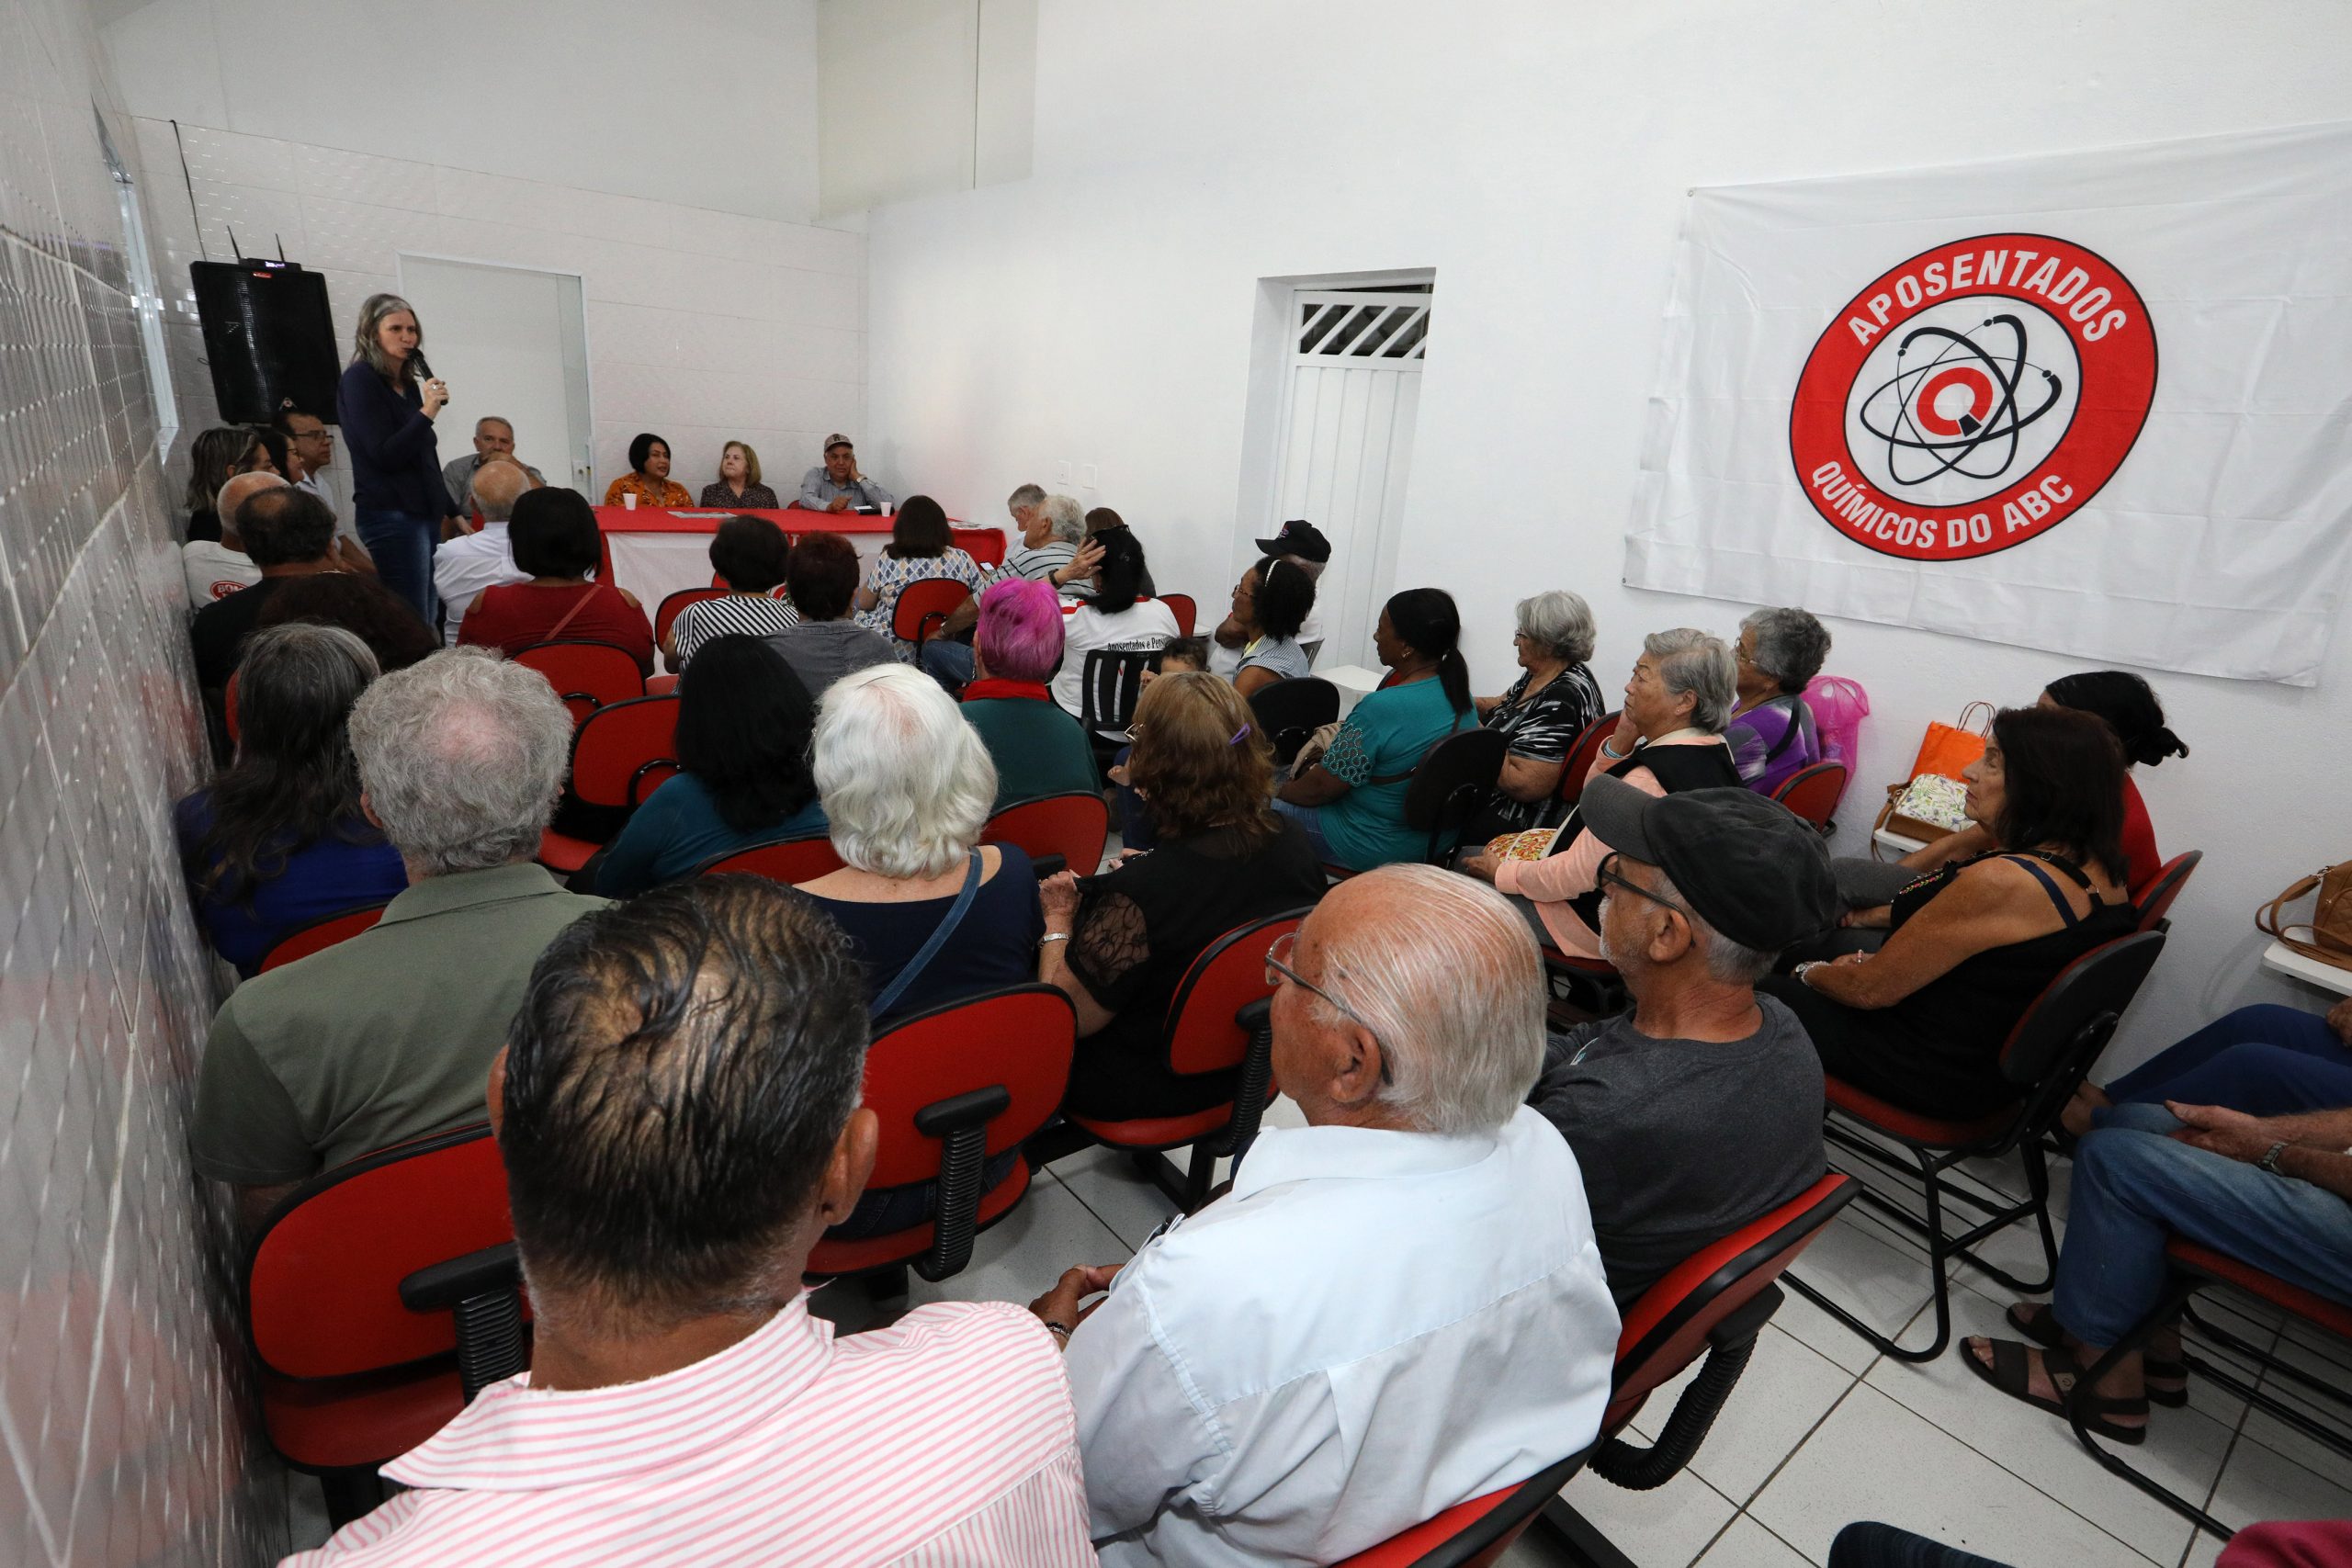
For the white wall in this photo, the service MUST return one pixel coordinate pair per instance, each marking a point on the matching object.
(707, 103)
(1537, 155)
(703, 325)
(919, 96)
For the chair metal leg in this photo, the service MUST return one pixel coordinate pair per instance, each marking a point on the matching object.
(1938, 1250)
(1564, 1528)
(2168, 1308)
(351, 1493)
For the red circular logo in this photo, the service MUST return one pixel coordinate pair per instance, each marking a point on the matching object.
(1974, 398)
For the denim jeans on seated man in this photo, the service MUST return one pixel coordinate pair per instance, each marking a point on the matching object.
(2135, 1187)
(947, 661)
(2264, 1060)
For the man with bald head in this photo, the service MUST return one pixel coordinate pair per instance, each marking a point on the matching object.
(466, 565)
(286, 533)
(493, 443)
(217, 569)
(1396, 1307)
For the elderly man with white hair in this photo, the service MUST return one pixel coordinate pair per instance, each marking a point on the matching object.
(389, 1035)
(469, 563)
(217, 568)
(1053, 549)
(1398, 1306)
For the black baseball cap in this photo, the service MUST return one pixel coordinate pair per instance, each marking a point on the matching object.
(1298, 538)
(1749, 866)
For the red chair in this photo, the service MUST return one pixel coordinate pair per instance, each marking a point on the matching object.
(586, 675)
(1813, 793)
(379, 1298)
(660, 685)
(923, 607)
(789, 861)
(955, 1085)
(319, 934)
(2046, 1054)
(673, 603)
(1580, 756)
(1071, 827)
(1473, 1534)
(2156, 902)
(1218, 1022)
(619, 755)
(1187, 614)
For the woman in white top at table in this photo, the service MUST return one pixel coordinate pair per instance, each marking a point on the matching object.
(1117, 617)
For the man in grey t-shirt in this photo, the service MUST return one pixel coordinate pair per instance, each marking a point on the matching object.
(1700, 1110)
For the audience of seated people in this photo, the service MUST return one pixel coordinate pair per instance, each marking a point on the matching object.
(744, 722)
(1920, 1021)
(1102, 521)
(493, 443)
(738, 486)
(277, 839)
(677, 1109)
(1221, 858)
(1350, 795)
(359, 603)
(387, 1036)
(649, 476)
(751, 557)
(469, 563)
(1116, 617)
(1269, 603)
(1296, 543)
(217, 565)
(1771, 734)
(1668, 738)
(288, 534)
(828, 643)
(1554, 701)
(1258, 1386)
(557, 548)
(1700, 1108)
(1052, 528)
(837, 484)
(1038, 749)
(922, 547)
(2264, 1060)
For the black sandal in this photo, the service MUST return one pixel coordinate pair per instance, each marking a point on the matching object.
(2040, 1324)
(2012, 1373)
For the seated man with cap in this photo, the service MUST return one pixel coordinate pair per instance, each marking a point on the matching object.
(1302, 544)
(835, 484)
(1699, 1110)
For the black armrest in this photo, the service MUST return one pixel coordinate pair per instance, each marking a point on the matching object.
(1048, 866)
(974, 1109)
(441, 1286)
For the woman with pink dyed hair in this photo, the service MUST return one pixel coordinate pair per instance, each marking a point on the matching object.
(1038, 749)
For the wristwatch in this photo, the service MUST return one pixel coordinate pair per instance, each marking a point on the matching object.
(2269, 1160)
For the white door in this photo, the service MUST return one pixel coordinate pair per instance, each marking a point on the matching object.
(512, 341)
(1347, 446)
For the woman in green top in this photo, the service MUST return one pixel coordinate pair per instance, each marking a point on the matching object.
(1351, 800)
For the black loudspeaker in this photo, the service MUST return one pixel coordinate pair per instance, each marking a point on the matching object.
(270, 337)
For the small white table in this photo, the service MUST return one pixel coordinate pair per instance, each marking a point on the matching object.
(1896, 841)
(2303, 966)
(1355, 683)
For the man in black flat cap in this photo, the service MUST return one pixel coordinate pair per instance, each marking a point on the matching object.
(1698, 1110)
(1302, 544)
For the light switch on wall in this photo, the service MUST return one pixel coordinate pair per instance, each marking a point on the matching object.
(1086, 476)
(1061, 473)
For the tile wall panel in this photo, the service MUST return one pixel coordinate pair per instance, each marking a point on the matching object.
(125, 1423)
(706, 326)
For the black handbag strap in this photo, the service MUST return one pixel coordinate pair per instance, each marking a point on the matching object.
(937, 940)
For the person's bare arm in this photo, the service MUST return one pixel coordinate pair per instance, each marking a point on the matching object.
(1058, 893)
(1531, 779)
(1969, 842)
(1317, 787)
(1229, 633)
(1985, 907)
(2315, 1140)
(353, 556)
(1257, 675)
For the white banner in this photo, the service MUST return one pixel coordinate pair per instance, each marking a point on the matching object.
(2098, 403)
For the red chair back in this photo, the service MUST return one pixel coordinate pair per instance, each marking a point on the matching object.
(789, 861)
(321, 934)
(1666, 1329)
(1473, 1534)
(673, 603)
(2155, 903)
(229, 707)
(622, 753)
(1181, 605)
(321, 1288)
(1074, 826)
(586, 675)
(1020, 1039)
(1228, 976)
(1813, 793)
(1580, 756)
(923, 607)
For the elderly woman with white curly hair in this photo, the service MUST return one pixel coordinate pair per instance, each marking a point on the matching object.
(1668, 738)
(1772, 736)
(1554, 700)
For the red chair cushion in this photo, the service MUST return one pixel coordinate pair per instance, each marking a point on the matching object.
(342, 1422)
(623, 751)
(882, 1251)
(1404, 1550)
(1074, 826)
(1933, 1131)
(1020, 1040)
(789, 861)
(562, 854)
(1157, 1132)
(320, 935)
(2334, 1316)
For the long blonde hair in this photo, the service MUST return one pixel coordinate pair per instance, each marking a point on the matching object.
(365, 345)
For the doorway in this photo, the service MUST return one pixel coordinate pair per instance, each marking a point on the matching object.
(510, 342)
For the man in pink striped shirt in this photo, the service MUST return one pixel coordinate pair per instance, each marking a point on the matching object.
(678, 1108)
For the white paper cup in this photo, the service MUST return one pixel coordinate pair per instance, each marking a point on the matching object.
(629, 500)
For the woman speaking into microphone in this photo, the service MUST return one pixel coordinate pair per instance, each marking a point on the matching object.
(386, 404)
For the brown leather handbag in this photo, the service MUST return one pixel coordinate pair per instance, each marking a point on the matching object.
(2328, 936)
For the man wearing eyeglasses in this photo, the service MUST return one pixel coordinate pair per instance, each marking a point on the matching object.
(1398, 1306)
(1700, 1109)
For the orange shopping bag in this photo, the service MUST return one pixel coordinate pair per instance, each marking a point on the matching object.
(1947, 748)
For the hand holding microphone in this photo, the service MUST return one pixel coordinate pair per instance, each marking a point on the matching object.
(434, 392)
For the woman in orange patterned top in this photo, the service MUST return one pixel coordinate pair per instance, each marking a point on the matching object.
(649, 476)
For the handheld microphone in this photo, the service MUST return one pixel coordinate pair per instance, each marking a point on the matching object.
(416, 363)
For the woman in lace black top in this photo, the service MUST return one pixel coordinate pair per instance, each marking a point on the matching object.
(1120, 947)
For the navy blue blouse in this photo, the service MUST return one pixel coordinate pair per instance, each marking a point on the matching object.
(322, 878)
(395, 460)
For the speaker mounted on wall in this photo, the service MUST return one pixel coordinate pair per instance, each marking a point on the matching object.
(270, 337)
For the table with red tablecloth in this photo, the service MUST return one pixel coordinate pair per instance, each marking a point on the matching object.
(653, 552)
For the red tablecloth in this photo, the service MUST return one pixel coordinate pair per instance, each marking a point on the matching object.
(985, 546)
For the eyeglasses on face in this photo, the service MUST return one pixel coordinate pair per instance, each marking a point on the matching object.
(1610, 874)
(1278, 969)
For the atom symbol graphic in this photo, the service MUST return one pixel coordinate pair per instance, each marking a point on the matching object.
(1962, 408)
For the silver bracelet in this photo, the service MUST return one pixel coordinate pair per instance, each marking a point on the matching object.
(1053, 936)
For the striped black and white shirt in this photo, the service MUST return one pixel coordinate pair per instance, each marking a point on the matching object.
(736, 615)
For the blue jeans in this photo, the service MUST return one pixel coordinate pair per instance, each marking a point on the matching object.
(1884, 1546)
(402, 545)
(2134, 1188)
(1135, 822)
(947, 662)
(1310, 817)
(2266, 1060)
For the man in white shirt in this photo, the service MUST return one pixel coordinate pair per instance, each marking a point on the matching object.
(1398, 1306)
(217, 569)
(466, 565)
(677, 1108)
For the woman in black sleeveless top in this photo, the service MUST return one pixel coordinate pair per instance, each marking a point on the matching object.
(1921, 1024)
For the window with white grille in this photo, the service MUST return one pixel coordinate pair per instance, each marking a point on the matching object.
(1360, 326)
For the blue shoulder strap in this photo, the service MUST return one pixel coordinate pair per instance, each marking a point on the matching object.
(937, 940)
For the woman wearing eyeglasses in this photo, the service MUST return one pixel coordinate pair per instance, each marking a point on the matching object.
(1120, 947)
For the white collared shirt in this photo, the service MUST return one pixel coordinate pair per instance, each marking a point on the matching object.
(943, 1441)
(466, 565)
(1369, 1328)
